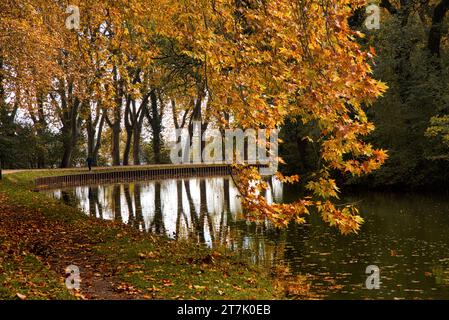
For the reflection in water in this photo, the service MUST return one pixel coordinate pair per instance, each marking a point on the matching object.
(203, 210)
(406, 236)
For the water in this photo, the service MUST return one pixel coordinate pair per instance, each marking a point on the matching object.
(406, 236)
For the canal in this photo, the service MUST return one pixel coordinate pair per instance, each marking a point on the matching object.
(405, 235)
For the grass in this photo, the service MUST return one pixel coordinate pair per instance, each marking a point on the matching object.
(143, 266)
(25, 276)
(166, 270)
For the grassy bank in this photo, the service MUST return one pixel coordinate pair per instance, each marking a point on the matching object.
(40, 237)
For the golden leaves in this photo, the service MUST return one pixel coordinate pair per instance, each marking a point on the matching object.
(260, 64)
(324, 188)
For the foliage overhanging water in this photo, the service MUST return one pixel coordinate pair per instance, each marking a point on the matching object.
(404, 235)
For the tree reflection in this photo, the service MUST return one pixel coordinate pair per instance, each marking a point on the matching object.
(69, 198)
(181, 215)
(195, 231)
(138, 221)
(157, 225)
(117, 202)
(206, 211)
(129, 204)
(94, 202)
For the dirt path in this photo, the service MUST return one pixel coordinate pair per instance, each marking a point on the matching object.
(60, 245)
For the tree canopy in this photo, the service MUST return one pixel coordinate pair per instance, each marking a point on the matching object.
(240, 63)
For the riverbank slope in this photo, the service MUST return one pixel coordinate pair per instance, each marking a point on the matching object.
(40, 237)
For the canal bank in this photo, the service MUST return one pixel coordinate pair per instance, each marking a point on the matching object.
(41, 237)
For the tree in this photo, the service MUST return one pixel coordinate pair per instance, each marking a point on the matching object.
(94, 128)
(250, 64)
(416, 76)
(265, 61)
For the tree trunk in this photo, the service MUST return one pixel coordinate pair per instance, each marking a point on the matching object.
(138, 123)
(115, 152)
(136, 145)
(69, 140)
(129, 124)
(117, 111)
(94, 137)
(40, 125)
(71, 121)
(115, 128)
(435, 33)
(157, 148)
(129, 135)
(98, 142)
(90, 137)
(67, 155)
(156, 127)
(197, 115)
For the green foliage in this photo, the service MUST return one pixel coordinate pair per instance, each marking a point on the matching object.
(148, 153)
(417, 91)
(418, 97)
(439, 128)
(21, 147)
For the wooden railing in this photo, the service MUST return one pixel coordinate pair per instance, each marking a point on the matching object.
(134, 174)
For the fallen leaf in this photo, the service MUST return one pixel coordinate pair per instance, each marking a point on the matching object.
(21, 296)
